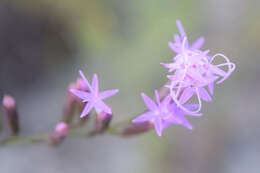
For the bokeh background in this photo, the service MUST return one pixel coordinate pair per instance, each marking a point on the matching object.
(43, 44)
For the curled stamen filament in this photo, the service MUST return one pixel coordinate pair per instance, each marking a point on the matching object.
(177, 102)
(231, 66)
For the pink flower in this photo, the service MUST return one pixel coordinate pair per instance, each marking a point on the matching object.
(193, 70)
(162, 114)
(94, 98)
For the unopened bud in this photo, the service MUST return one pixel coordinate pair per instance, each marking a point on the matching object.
(60, 132)
(61, 129)
(10, 115)
(73, 104)
(136, 128)
(102, 122)
(69, 106)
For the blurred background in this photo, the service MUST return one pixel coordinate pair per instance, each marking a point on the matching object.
(44, 43)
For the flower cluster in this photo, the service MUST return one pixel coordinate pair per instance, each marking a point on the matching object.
(192, 70)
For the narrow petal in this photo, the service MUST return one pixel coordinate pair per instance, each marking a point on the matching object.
(95, 83)
(85, 79)
(143, 117)
(108, 93)
(211, 88)
(197, 44)
(186, 95)
(171, 66)
(166, 101)
(217, 70)
(177, 39)
(149, 102)
(157, 98)
(204, 94)
(165, 124)
(174, 47)
(87, 109)
(158, 126)
(184, 122)
(81, 94)
(181, 29)
(101, 106)
(173, 119)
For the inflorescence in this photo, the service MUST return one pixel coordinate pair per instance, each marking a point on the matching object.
(192, 77)
(192, 70)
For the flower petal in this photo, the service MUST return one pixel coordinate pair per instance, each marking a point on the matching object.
(174, 47)
(101, 106)
(184, 121)
(171, 66)
(87, 109)
(157, 98)
(95, 83)
(166, 102)
(204, 94)
(149, 102)
(85, 79)
(143, 117)
(108, 93)
(181, 29)
(217, 70)
(81, 94)
(177, 39)
(186, 95)
(211, 88)
(158, 126)
(197, 44)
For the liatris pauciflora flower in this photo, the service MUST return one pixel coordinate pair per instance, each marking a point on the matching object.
(93, 98)
(193, 70)
(164, 113)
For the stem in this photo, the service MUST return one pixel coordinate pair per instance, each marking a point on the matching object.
(44, 137)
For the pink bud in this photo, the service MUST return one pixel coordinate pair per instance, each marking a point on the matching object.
(8, 102)
(102, 121)
(136, 128)
(61, 129)
(10, 115)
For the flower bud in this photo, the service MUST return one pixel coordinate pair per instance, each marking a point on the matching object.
(73, 103)
(10, 115)
(69, 107)
(61, 129)
(136, 128)
(102, 121)
(60, 132)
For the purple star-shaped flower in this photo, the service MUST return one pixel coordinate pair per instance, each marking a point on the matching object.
(163, 114)
(94, 98)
